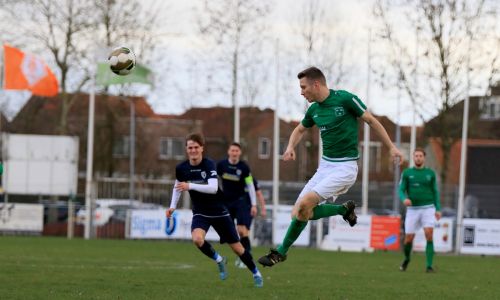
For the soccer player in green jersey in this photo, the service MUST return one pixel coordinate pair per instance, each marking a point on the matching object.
(335, 113)
(419, 193)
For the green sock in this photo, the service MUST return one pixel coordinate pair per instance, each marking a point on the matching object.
(429, 253)
(407, 250)
(327, 210)
(293, 232)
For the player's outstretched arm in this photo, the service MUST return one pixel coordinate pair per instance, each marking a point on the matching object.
(295, 138)
(382, 133)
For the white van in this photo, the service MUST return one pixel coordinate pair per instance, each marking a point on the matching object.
(105, 209)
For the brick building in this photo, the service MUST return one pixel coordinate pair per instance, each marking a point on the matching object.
(160, 138)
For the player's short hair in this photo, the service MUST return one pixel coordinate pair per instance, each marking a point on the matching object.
(419, 149)
(313, 73)
(235, 144)
(196, 137)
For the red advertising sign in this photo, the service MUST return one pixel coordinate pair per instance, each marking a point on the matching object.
(385, 232)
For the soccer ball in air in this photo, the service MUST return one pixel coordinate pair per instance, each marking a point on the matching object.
(121, 61)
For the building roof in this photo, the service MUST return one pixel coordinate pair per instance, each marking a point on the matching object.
(41, 115)
(218, 121)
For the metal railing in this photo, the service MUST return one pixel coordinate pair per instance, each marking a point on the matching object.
(481, 202)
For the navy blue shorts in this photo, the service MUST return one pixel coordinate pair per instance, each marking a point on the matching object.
(240, 210)
(224, 227)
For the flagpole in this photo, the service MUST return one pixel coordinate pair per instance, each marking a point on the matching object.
(90, 159)
(1, 104)
(132, 150)
(2, 59)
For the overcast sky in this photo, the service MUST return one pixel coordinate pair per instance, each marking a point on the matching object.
(352, 20)
(182, 80)
(351, 17)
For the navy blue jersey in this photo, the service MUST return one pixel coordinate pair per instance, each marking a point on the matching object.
(203, 204)
(233, 178)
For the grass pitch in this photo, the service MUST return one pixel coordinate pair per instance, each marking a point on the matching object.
(56, 268)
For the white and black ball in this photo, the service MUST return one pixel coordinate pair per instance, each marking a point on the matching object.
(122, 61)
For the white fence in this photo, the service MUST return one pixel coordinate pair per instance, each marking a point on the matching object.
(17, 217)
(481, 236)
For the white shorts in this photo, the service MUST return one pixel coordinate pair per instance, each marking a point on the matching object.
(331, 179)
(417, 218)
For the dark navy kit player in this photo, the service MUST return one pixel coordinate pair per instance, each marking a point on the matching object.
(239, 192)
(198, 176)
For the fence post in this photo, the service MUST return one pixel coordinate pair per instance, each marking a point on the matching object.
(71, 221)
(319, 232)
(127, 223)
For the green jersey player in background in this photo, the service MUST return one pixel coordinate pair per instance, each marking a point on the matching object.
(419, 193)
(335, 113)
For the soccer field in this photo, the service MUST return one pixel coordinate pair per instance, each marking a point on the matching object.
(56, 268)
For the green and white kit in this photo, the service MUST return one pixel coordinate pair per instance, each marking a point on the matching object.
(337, 119)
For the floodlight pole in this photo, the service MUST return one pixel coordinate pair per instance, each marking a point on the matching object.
(413, 136)
(236, 121)
(132, 150)
(2, 140)
(236, 104)
(397, 172)
(90, 159)
(366, 139)
(276, 136)
(463, 158)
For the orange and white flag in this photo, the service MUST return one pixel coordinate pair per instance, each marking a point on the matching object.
(24, 71)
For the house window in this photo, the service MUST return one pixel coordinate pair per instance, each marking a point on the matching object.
(375, 153)
(121, 147)
(171, 148)
(490, 108)
(264, 148)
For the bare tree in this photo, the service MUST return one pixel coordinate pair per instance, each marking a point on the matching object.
(253, 77)
(233, 28)
(320, 42)
(53, 26)
(122, 23)
(130, 23)
(317, 41)
(71, 30)
(427, 45)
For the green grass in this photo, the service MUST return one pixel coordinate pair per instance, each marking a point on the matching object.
(56, 268)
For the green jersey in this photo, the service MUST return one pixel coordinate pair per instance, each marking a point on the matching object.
(419, 185)
(336, 118)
